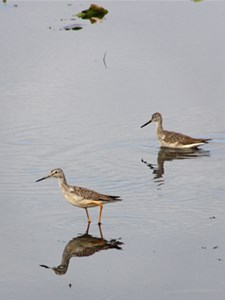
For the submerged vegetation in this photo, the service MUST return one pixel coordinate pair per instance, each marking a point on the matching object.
(94, 13)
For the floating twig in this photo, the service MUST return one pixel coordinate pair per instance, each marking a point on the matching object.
(104, 60)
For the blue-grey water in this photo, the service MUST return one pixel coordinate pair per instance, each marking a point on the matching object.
(76, 100)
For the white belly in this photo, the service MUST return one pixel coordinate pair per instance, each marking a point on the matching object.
(178, 145)
(80, 201)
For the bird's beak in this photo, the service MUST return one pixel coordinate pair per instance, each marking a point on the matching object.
(146, 123)
(43, 178)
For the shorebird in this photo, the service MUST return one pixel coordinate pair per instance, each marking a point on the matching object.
(171, 139)
(79, 196)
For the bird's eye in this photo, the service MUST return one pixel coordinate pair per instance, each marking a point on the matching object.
(56, 172)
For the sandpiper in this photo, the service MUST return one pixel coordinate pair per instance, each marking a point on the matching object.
(79, 196)
(171, 139)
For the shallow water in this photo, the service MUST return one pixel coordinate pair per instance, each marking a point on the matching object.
(61, 106)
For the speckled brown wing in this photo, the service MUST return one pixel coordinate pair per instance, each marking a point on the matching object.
(175, 137)
(92, 195)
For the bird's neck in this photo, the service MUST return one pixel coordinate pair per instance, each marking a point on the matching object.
(62, 183)
(159, 127)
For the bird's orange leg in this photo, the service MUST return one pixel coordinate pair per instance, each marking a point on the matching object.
(100, 213)
(89, 220)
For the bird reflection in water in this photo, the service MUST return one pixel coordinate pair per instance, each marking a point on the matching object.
(169, 154)
(84, 245)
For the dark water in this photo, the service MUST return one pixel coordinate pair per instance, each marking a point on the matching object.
(63, 106)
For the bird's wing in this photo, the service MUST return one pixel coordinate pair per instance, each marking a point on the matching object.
(176, 137)
(92, 195)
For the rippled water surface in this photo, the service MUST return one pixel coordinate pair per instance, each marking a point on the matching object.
(76, 100)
